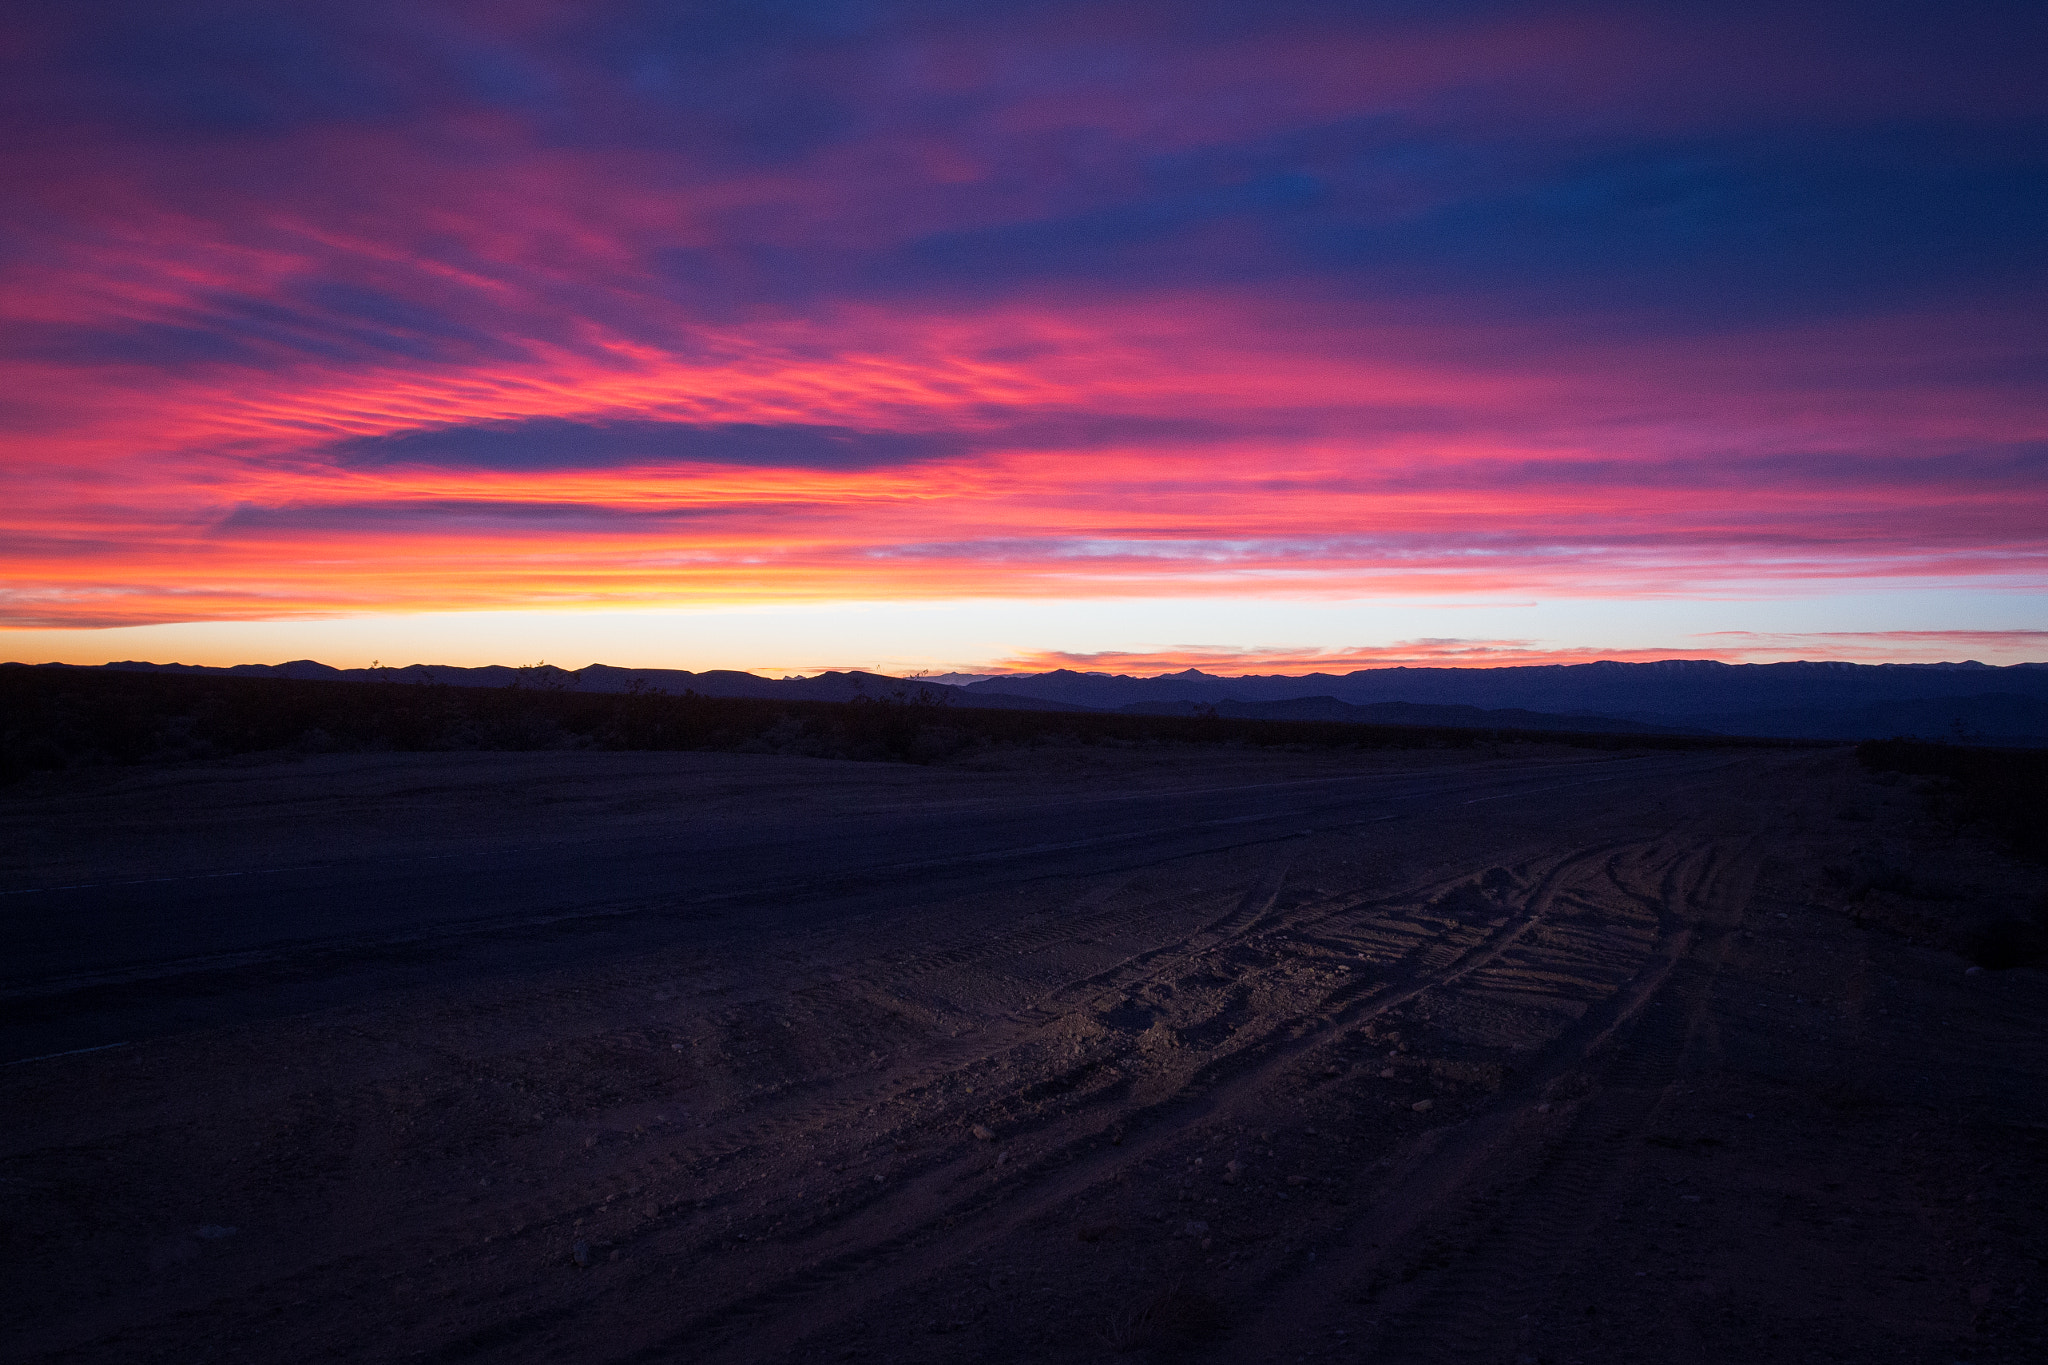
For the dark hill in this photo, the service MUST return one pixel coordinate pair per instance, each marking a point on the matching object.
(53, 718)
(1658, 693)
(1400, 713)
(1967, 701)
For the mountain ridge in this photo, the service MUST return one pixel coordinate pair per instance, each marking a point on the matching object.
(1657, 692)
(1968, 700)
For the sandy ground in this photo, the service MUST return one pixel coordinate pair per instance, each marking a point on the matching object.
(1534, 1072)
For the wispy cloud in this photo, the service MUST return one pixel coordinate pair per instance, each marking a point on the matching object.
(1223, 659)
(382, 308)
(2004, 646)
(1893, 646)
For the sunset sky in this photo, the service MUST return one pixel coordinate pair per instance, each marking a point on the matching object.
(1268, 336)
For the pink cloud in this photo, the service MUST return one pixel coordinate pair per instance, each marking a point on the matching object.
(2003, 646)
(196, 326)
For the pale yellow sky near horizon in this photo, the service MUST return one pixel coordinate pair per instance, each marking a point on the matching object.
(1134, 636)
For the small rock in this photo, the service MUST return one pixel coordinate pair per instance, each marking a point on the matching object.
(1974, 971)
(1542, 1108)
(1208, 1243)
(982, 1131)
(1423, 1106)
(1388, 1073)
(580, 1254)
(1297, 1180)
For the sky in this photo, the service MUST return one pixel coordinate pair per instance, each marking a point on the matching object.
(1119, 335)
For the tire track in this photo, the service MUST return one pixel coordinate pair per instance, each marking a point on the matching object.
(1514, 1272)
(1061, 1172)
(842, 1103)
(945, 1203)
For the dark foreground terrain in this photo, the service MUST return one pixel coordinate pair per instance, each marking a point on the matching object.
(1504, 1053)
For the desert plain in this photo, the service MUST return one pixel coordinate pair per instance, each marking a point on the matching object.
(1522, 1054)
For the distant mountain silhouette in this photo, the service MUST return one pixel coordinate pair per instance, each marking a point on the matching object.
(717, 682)
(1991, 718)
(1970, 701)
(1653, 692)
(1401, 713)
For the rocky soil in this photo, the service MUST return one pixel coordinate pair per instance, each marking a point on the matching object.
(1683, 1069)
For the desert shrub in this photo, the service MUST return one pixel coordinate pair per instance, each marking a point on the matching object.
(2003, 790)
(1482, 899)
(1465, 901)
(2008, 943)
(54, 717)
(1866, 873)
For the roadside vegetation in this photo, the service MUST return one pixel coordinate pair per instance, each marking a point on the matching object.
(55, 718)
(2001, 792)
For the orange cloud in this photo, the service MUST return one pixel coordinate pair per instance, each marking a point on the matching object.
(1228, 661)
(212, 498)
(1739, 647)
(1100, 306)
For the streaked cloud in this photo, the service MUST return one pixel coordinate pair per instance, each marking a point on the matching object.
(340, 309)
(1928, 646)
(1230, 661)
(1883, 646)
(559, 443)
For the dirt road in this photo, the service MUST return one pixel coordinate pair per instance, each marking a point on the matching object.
(1081, 1055)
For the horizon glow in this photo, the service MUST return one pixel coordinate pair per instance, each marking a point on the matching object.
(1119, 332)
(983, 638)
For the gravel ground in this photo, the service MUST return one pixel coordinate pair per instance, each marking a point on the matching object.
(1575, 1058)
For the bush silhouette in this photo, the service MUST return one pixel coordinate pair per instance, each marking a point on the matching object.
(2005, 790)
(54, 717)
